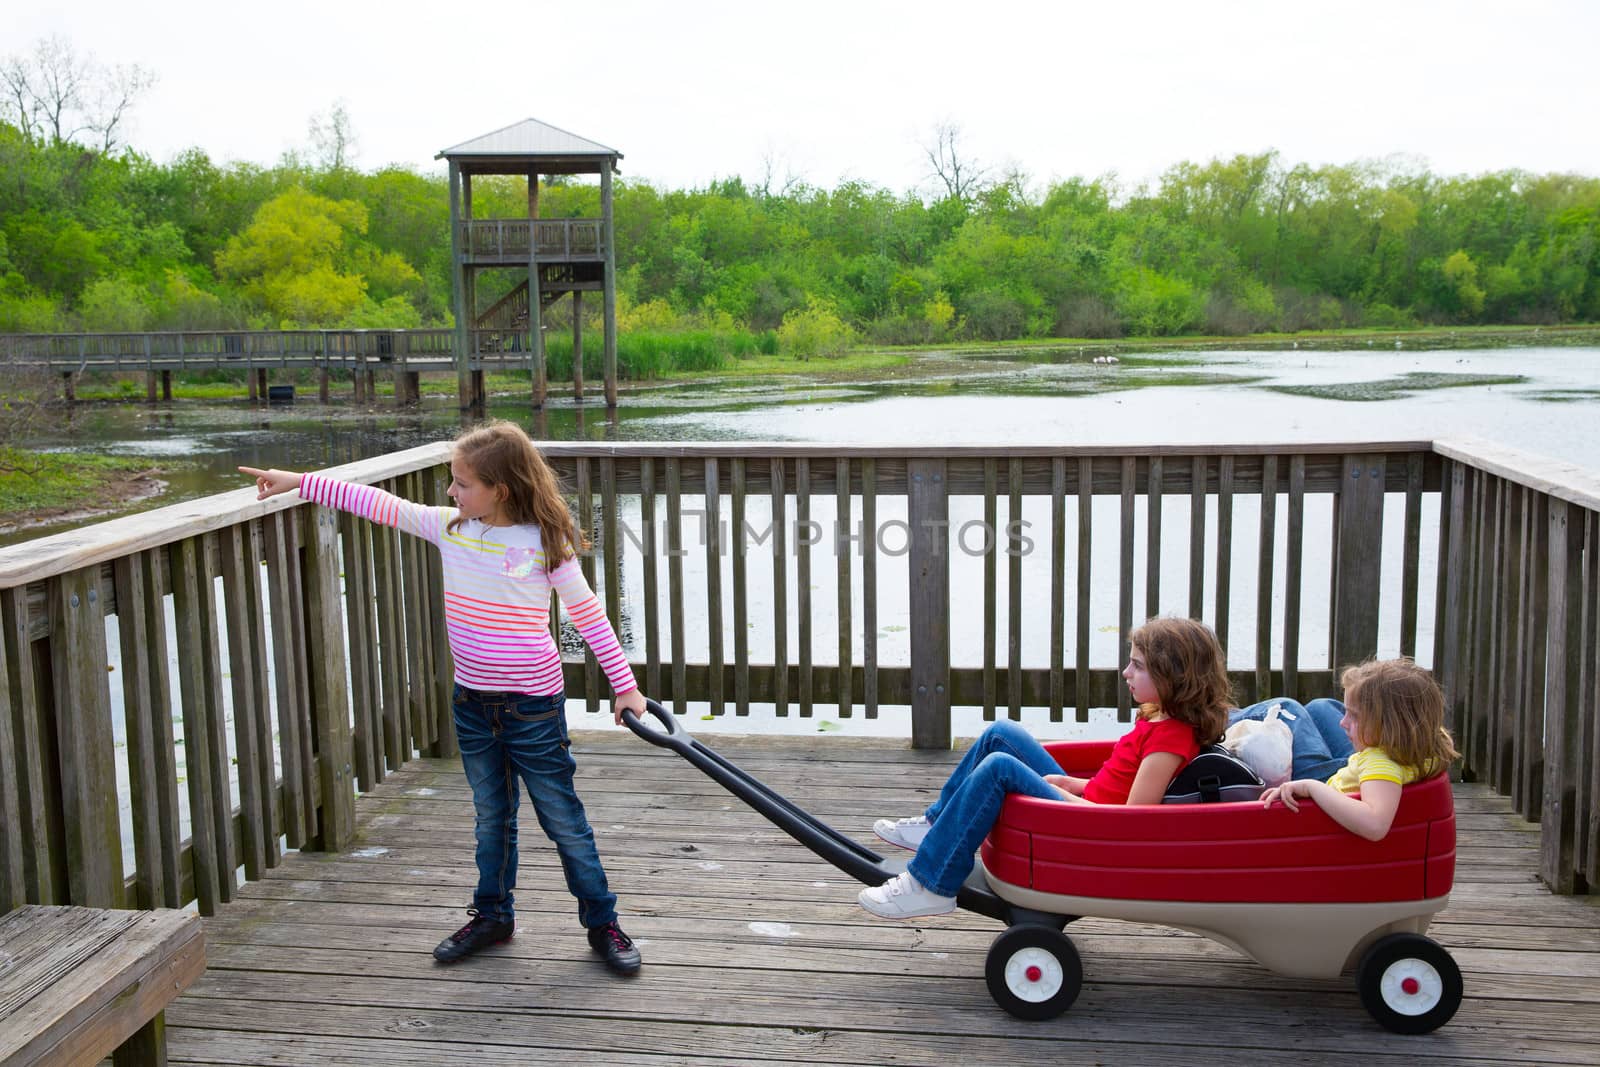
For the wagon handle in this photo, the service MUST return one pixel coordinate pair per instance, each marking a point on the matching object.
(857, 861)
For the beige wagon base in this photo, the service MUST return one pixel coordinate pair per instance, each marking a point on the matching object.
(1297, 940)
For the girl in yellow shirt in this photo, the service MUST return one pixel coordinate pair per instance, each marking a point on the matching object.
(1394, 715)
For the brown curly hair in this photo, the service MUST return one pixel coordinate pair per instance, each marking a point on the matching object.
(1190, 673)
(502, 455)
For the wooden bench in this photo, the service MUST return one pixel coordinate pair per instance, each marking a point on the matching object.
(77, 984)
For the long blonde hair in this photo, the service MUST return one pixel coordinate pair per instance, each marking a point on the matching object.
(503, 457)
(1191, 677)
(1401, 710)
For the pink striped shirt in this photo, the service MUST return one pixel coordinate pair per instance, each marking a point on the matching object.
(496, 593)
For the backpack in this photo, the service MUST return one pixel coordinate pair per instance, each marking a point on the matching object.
(1215, 775)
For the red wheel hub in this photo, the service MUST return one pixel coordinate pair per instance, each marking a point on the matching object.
(1410, 986)
(1034, 974)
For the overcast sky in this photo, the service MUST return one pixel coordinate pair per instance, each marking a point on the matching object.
(822, 91)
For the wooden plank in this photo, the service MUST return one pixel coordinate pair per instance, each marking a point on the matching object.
(1125, 583)
(1152, 538)
(434, 481)
(147, 708)
(1085, 577)
(390, 609)
(1410, 554)
(82, 699)
(1528, 778)
(711, 540)
(1558, 826)
(1222, 620)
(1197, 537)
(842, 542)
(741, 588)
(652, 594)
(780, 588)
(869, 586)
(191, 618)
(13, 885)
(216, 719)
(1058, 588)
(1444, 568)
(1014, 554)
(991, 586)
(675, 551)
(1586, 815)
(44, 864)
(928, 512)
(1266, 544)
(1449, 624)
(286, 606)
(90, 979)
(1293, 579)
(366, 736)
(585, 516)
(612, 545)
(1503, 611)
(420, 726)
(805, 536)
(1358, 555)
(241, 576)
(330, 707)
(1509, 665)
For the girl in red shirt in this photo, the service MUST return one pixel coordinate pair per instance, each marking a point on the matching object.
(1175, 673)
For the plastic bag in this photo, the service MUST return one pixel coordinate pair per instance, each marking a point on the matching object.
(1265, 745)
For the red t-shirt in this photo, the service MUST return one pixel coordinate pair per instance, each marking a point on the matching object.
(1113, 782)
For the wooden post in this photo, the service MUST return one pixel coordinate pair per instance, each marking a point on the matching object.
(1564, 758)
(322, 384)
(250, 385)
(67, 390)
(610, 274)
(577, 345)
(1357, 558)
(458, 287)
(330, 704)
(928, 513)
(82, 704)
(150, 387)
(166, 385)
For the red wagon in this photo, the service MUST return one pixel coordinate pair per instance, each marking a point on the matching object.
(1293, 891)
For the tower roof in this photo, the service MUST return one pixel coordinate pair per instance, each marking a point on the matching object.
(527, 140)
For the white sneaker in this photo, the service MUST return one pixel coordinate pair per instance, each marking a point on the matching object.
(907, 833)
(903, 897)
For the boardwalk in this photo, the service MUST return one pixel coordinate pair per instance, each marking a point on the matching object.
(755, 952)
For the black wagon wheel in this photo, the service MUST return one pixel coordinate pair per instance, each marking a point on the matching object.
(1033, 971)
(1409, 983)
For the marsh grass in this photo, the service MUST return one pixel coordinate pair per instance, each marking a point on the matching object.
(1394, 388)
(33, 480)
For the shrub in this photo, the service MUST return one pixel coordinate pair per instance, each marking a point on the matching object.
(815, 330)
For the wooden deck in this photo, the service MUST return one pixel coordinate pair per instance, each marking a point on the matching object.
(756, 952)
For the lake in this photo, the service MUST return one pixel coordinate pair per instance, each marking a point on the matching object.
(1541, 400)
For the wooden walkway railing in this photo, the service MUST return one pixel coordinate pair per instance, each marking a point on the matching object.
(304, 651)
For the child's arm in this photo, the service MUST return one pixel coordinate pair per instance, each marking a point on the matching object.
(1368, 813)
(1067, 783)
(1150, 782)
(589, 616)
(367, 501)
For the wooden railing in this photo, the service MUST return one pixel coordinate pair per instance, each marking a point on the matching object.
(225, 349)
(744, 574)
(507, 240)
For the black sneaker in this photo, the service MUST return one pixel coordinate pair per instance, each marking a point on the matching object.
(617, 947)
(479, 933)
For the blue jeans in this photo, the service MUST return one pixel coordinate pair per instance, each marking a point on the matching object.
(1004, 759)
(1321, 747)
(509, 736)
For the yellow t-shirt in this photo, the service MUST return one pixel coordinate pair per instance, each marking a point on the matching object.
(1371, 764)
